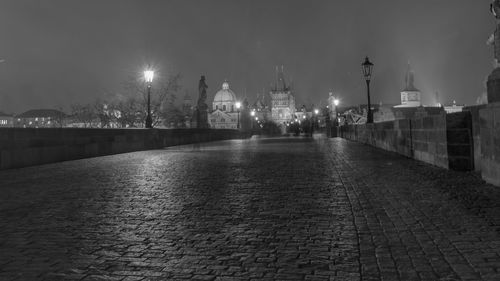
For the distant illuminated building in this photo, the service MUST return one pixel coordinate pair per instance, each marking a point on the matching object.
(411, 105)
(282, 101)
(224, 113)
(453, 108)
(41, 118)
(410, 96)
(261, 109)
(6, 120)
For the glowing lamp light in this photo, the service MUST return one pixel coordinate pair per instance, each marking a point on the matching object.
(367, 68)
(148, 75)
(238, 105)
(252, 113)
(303, 117)
(316, 111)
(336, 102)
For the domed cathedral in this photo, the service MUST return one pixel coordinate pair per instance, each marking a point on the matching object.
(224, 113)
(224, 99)
(282, 101)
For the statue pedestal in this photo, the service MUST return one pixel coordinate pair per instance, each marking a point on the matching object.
(489, 120)
(493, 86)
(202, 116)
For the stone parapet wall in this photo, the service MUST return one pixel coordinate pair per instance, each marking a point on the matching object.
(428, 138)
(489, 122)
(21, 147)
(442, 140)
(476, 133)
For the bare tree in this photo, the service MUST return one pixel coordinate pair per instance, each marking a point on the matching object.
(129, 113)
(84, 114)
(102, 110)
(163, 90)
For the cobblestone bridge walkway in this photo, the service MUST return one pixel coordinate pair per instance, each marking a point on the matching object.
(259, 209)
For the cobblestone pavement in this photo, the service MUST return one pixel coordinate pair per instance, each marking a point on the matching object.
(259, 209)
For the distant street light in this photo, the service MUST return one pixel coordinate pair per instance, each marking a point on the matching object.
(238, 105)
(148, 76)
(252, 113)
(336, 103)
(367, 72)
(316, 111)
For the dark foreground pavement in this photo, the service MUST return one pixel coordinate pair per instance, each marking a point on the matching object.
(275, 209)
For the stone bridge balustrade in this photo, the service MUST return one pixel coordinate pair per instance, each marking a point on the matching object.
(21, 147)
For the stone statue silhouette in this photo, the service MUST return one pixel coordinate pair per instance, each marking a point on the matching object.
(202, 107)
(495, 37)
(409, 79)
(202, 88)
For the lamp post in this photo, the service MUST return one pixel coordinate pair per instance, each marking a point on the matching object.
(315, 120)
(367, 72)
(148, 76)
(336, 103)
(252, 114)
(238, 105)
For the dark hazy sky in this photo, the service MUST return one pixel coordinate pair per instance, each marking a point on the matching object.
(62, 52)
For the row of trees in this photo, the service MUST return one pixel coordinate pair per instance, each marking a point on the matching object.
(128, 108)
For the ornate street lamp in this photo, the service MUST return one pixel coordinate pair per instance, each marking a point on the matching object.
(252, 113)
(238, 105)
(148, 76)
(336, 103)
(367, 72)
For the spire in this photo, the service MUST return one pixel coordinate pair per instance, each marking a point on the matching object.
(277, 75)
(409, 78)
(280, 80)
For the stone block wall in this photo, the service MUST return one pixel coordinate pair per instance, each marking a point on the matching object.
(476, 134)
(489, 122)
(428, 138)
(443, 140)
(459, 141)
(21, 147)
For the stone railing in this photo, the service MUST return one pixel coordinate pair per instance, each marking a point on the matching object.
(443, 140)
(21, 147)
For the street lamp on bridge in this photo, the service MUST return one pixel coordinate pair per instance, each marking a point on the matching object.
(336, 103)
(148, 76)
(238, 105)
(367, 72)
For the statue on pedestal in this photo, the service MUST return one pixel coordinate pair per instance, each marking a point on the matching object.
(493, 83)
(495, 37)
(202, 107)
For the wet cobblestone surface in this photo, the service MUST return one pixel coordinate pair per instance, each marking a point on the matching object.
(259, 209)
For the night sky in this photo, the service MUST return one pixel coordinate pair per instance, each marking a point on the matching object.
(62, 52)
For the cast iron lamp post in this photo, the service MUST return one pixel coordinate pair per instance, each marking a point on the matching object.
(315, 119)
(148, 76)
(336, 103)
(252, 114)
(238, 105)
(367, 72)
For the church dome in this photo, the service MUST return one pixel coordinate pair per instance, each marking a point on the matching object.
(225, 94)
(224, 99)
